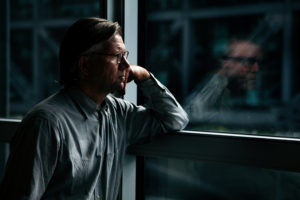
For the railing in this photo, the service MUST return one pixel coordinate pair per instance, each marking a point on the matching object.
(7, 129)
(260, 151)
(278, 153)
(216, 150)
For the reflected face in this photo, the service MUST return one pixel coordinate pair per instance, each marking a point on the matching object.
(104, 71)
(243, 63)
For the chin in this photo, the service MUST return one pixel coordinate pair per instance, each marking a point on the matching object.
(118, 87)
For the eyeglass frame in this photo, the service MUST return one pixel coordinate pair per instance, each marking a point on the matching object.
(118, 55)
(250, 60)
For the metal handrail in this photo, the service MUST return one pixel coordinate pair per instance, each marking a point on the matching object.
(8, 128)
(250, 150)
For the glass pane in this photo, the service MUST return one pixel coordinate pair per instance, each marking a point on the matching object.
(234, 69)
(295, 106)
(246, 96)
(36, 29)
(165, 56)
(21, 9)
(160, 5)
(49, 43)
(222, 3)
(187, 179)
(21, 72)
(68, 8)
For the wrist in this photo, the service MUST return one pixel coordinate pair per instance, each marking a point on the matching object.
(140, 75)
(142, 78)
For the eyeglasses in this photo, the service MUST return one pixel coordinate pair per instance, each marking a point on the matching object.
(244, 60)
(118, 55)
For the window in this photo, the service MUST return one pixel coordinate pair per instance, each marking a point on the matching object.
(34, 31)
(184, 44)
(233, 65)
(30, 35)
(189, 179)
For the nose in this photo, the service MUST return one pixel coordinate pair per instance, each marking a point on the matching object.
(255, 67)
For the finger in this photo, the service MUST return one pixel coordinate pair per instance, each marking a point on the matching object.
(129, 74)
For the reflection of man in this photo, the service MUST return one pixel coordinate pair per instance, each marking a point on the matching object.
(72, 145)
(237, 75)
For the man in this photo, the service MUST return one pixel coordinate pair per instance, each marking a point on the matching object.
(72, 145)
(236, 77)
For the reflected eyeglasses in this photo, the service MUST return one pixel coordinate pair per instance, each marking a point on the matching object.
(244, 60)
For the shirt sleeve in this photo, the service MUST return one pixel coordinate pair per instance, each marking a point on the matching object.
(208, 98)
(160, 112)
(33, 157)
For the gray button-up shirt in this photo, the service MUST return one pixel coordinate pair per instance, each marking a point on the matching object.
(67, 147)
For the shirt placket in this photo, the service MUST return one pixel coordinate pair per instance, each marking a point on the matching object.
(100, 192)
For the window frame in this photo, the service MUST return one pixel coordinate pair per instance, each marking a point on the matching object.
(9, 25)
(269, 152)
(279, 152)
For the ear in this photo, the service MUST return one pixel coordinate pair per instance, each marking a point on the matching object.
(82, 65)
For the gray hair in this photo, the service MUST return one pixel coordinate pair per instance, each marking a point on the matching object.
(81, 36)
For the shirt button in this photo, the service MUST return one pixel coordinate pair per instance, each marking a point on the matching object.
(85, 158)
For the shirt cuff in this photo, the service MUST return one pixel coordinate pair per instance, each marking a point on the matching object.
(152, 82)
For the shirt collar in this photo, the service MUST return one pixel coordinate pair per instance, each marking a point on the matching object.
(87, 106)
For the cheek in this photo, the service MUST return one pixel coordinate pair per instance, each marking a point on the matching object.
(96, 67)
(103, 69)
(96, 71)
(243, 71)
(110, 66)
(110, 73)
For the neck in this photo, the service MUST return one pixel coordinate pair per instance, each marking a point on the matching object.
(95, 94)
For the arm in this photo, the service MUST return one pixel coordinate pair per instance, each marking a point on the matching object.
(209, 98)
(138, 74)
(32, 160)
(160, 112)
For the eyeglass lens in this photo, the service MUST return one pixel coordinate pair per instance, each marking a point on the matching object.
(121, 55)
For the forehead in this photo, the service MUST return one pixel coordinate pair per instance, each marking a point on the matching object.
(115, 43)
(245, 49)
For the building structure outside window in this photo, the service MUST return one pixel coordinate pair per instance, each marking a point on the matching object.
(35, 30)
(234, 67)
(31, 32)
(183, 43)
(187, 45)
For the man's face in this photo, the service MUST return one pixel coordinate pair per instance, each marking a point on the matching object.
(243, 63)
(104, 73)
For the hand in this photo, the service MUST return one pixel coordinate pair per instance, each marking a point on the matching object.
(137, 73)
(230, 70)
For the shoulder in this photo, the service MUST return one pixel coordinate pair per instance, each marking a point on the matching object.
(40, 121)
(118, 104)
(115, 102)
(50, 108)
